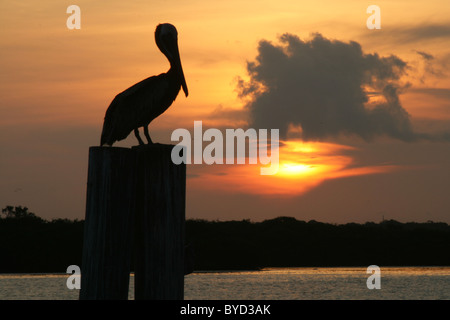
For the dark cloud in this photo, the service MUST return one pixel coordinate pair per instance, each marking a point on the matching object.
(323, 86)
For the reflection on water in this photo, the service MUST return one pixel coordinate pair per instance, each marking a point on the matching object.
(424, 283)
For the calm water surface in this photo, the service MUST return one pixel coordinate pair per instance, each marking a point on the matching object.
(423, 283)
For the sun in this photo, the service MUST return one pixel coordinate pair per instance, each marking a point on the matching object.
(294, 170)
(299, 159)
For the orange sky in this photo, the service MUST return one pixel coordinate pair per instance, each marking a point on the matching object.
(54, 80)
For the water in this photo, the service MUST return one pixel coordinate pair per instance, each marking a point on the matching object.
(422, 283)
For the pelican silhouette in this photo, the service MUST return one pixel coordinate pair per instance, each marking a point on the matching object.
(138, 105)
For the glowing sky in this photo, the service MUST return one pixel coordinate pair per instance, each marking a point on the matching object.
(55, 85)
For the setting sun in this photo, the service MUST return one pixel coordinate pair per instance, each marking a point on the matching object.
(295, 169)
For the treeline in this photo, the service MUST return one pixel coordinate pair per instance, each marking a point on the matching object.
(31, 244)
(287, 242)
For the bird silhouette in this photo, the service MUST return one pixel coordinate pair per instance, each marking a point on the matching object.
(140, 104)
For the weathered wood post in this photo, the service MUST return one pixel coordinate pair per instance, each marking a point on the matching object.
(135, 204)
(160, 220)
(108, 240)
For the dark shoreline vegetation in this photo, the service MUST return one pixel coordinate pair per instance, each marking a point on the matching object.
(30, 244)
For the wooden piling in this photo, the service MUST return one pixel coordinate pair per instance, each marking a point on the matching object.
(135, 204)
(108, 227)
(160, 220)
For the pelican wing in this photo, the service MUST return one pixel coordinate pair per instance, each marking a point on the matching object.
(133, 108)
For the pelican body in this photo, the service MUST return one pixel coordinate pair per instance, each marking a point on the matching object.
(141, 103)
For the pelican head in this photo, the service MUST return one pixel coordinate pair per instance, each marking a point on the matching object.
(166, 38)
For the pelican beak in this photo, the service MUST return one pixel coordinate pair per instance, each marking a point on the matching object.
(167, 42)
(181, 73)
(183, 81)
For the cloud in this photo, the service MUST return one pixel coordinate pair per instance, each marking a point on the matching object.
(424, 32)
(441, 93)
(406, 34)
(431, 67)
(326, 88)
(425, 55)
(321, 88)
